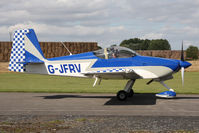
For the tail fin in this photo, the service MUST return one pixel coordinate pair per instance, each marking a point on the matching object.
(25, 49)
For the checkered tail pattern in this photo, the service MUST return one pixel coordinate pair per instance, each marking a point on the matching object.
(18, 52)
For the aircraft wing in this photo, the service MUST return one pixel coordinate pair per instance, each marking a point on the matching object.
(143, 72)
(114, 73)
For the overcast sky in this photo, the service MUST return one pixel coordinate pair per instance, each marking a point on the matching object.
(104, 21)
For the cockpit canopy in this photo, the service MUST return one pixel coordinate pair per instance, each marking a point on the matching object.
(115, 52)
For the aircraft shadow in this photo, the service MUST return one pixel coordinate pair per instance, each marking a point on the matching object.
(143, 99)
(137, 99)
(72, 96)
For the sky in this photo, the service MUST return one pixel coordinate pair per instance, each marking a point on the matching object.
(106, 22)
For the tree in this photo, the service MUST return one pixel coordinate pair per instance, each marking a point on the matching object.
(114, 45)
(159, 44)
(145, 44)
(98, 47)
(192, 52)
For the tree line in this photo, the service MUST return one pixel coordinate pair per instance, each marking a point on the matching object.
(156, 44)
(146, 44)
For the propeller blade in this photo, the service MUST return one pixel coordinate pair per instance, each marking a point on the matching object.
(182, 68)
(182, 53)
(182, 75)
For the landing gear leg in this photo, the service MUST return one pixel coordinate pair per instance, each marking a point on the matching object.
(167, 94)
(127, 92)
(162, 83)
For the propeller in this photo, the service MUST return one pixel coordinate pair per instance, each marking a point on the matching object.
(182, 68)
(182, 75)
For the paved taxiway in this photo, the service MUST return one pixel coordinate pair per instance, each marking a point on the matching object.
(96, 104)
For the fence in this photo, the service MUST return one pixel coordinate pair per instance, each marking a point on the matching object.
(173, 54)
(56, 49)
(51, 49)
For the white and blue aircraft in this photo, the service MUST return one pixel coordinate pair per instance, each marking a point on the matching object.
(110, 63)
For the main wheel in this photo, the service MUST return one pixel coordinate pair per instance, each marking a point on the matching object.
(131, 93)
(122, 95)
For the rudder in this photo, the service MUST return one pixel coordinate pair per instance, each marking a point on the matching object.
(25, 49)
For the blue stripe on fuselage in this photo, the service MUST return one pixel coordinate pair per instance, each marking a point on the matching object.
(136, 61)
(87, 55)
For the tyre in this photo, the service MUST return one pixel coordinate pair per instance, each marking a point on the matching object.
(122, 95)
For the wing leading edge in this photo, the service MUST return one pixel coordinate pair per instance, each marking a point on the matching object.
(144, 72)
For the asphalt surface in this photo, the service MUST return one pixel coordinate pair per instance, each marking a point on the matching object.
(97, 113)
(96, 104)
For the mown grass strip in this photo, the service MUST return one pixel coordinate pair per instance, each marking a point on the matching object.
(20, 82)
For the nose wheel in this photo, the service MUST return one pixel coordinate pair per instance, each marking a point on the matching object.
(127, 92)
(166, 94)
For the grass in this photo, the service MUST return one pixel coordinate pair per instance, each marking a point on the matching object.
(20, 82)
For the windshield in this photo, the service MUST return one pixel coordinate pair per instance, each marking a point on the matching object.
(115, 52)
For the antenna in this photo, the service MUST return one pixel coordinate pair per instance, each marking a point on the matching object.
(66, 48)
(10, 33)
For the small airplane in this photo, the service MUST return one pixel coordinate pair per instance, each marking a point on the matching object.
(109, 63)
